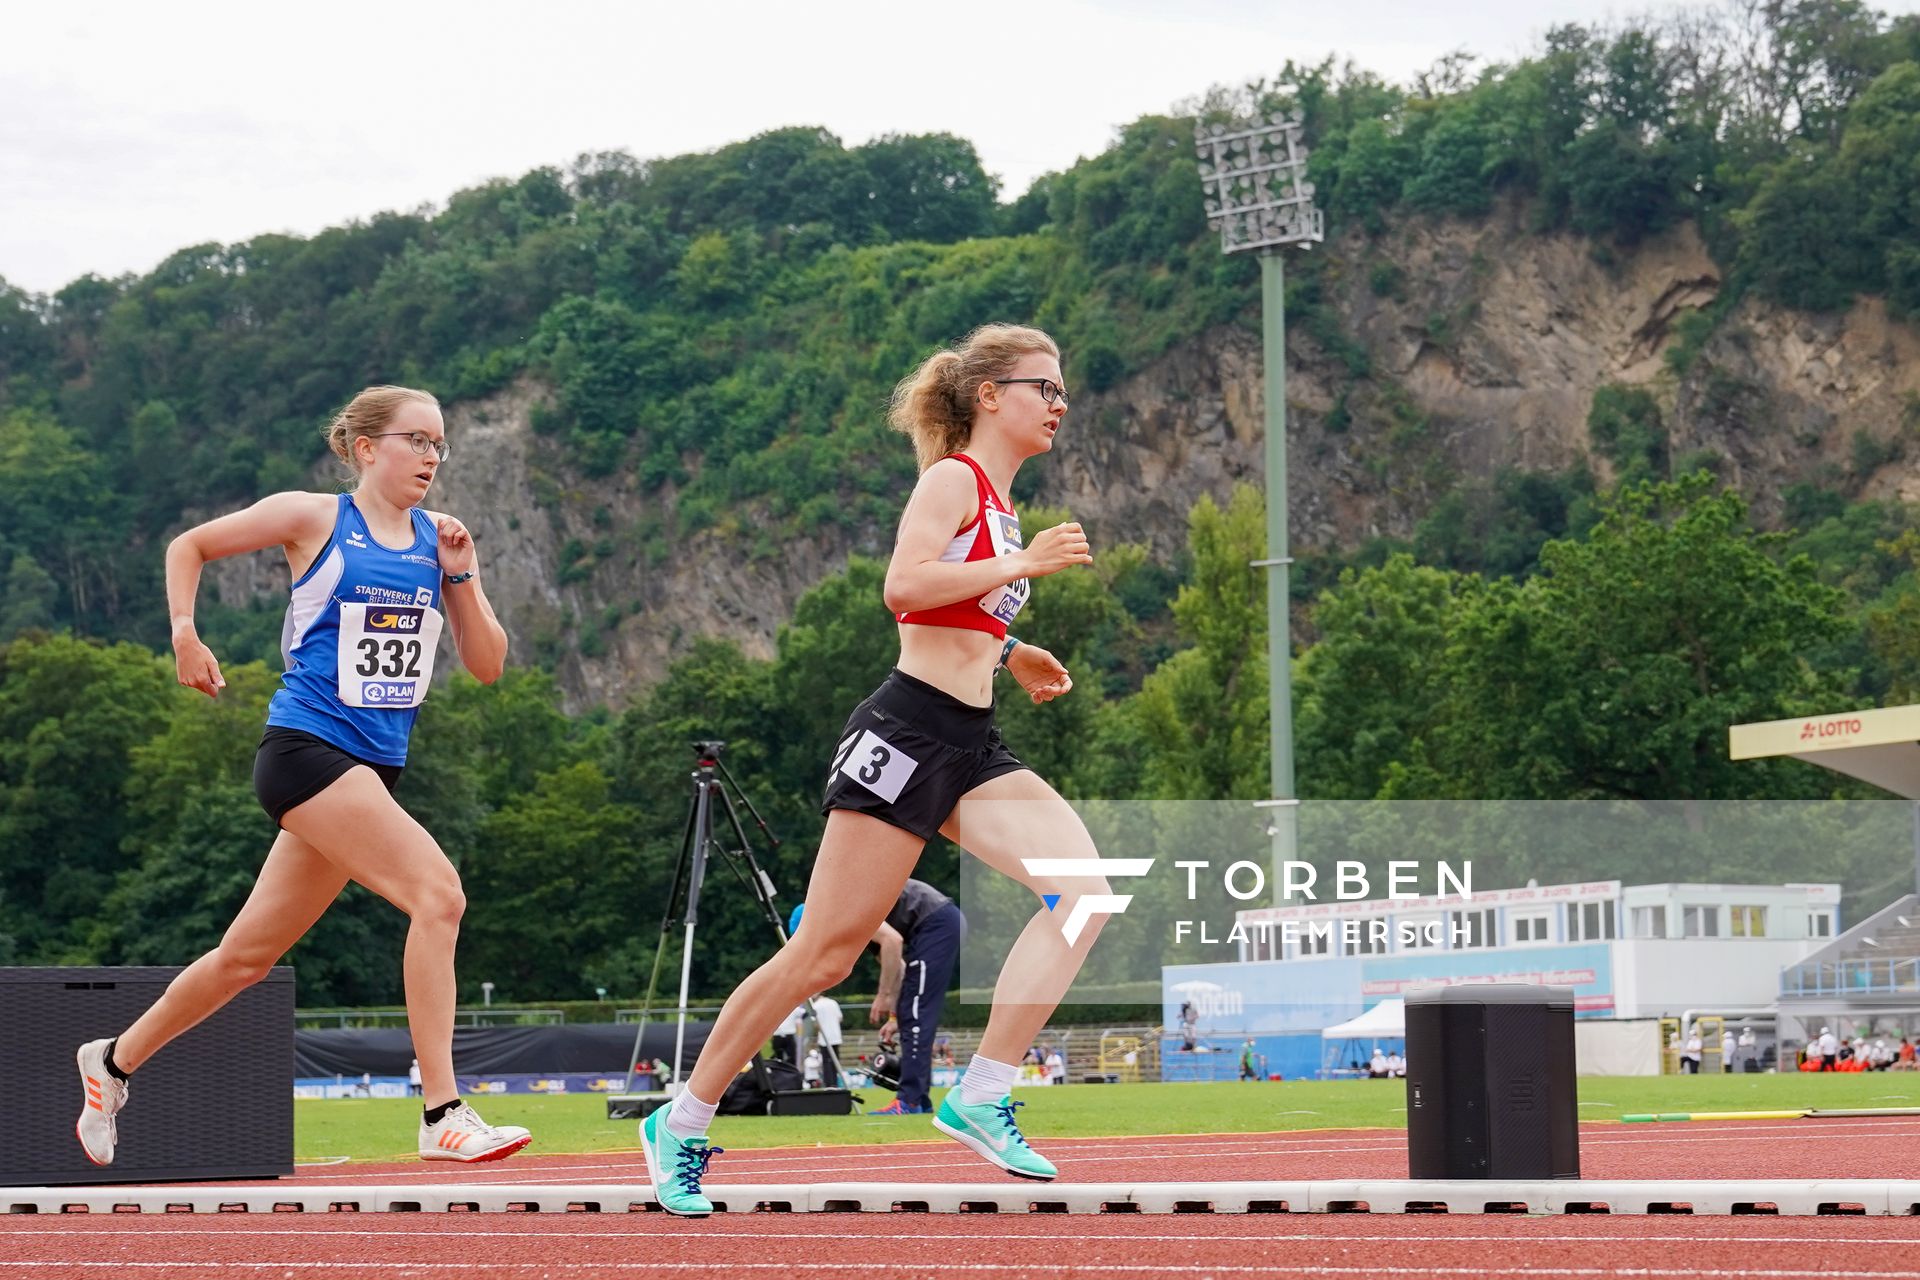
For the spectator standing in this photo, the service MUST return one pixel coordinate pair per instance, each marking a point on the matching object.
(1749, 1047)
(1829, 1047)
(1726, 1049)
(1056, 1066)
(827, 1022)
(786, 1041)
(1690, 1054)
(413, 1078)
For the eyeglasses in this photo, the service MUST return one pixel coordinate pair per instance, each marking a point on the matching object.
(1050, 391)
(422, 443)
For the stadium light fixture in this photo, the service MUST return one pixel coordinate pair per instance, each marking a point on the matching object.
(1254, 179)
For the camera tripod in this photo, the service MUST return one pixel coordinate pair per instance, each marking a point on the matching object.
(711, 782)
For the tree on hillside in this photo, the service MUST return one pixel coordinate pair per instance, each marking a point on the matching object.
(1202, 715)
(1616, 672)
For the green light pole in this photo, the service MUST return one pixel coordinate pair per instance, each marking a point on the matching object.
(1255, 176)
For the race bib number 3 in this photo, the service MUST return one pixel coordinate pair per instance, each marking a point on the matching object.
(386, 654)
(877, 765)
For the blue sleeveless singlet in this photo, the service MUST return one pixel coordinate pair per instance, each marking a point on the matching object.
(359, 639)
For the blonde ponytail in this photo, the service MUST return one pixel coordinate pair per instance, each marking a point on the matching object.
(934, 405)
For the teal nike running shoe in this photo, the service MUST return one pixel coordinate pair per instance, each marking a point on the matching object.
(676, 1165)
(989, 1128)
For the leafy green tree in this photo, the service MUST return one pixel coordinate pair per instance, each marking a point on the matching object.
(1366, 690)
(72, 714)
(834, 651)
(1616, 671)
(1203, 714)
(1625, 425)
(552, 888)
(31, 596)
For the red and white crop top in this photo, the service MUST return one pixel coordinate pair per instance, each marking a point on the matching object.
(993, 531)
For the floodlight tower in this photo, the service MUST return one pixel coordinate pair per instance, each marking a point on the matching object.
(1255, 176)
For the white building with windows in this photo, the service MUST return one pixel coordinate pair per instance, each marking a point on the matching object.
(1637, 951)
(1627, 951)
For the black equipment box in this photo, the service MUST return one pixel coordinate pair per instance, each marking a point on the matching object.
(1491, 1084)
(216, 1103)
(810, 1102)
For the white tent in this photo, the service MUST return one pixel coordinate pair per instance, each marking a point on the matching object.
(1354, 1041)
(1385, 1021)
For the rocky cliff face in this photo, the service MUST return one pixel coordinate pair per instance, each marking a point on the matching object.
(1484, 344)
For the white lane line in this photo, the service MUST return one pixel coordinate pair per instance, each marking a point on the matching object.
(1253, 1225)
(1025, 1267)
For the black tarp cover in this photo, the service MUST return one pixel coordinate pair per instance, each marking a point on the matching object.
(386, 1051)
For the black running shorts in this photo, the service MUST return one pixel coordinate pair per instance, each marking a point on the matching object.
(292, 767)
(910, 751)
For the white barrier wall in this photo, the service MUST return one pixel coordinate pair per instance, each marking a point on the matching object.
(1663, 977)
(1603, 1047)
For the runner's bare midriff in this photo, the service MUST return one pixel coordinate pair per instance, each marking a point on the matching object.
(953, 660)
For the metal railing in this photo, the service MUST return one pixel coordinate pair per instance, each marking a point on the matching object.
(666, 1013)
(1865, 977)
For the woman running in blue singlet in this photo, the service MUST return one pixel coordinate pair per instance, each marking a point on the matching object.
(921, 755)
(373, 574)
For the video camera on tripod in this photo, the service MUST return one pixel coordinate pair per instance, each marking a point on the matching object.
(715, 787)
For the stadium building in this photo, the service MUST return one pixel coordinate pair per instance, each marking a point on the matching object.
(1627, 952)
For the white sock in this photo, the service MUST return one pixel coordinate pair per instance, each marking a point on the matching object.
(986, 1081)
(688, 1117)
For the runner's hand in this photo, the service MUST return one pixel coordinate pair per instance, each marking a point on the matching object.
(1054, 549)
(456, 547)
(1039, 672)
(195, 664)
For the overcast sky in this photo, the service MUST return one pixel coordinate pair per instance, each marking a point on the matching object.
(128, 131)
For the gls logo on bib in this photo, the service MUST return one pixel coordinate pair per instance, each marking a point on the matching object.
(403, 620)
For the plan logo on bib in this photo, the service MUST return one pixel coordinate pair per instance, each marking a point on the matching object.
(1087, 905)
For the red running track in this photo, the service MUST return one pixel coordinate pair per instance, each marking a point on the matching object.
(1188, 1247)
(1849, 1148)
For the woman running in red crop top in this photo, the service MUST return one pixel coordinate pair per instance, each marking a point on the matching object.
(921, 755)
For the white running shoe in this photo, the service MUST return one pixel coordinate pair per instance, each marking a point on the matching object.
(105, 1096)
(462, 1135)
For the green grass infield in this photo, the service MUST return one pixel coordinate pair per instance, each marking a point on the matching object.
(371, 1129)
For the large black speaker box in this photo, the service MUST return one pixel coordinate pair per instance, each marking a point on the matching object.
(216, 1103)
(1491, 1083)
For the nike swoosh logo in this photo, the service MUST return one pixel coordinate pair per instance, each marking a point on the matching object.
(997, 1143)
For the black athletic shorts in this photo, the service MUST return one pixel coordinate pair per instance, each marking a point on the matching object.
(292, 767)
(910, 751)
